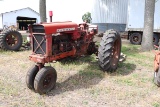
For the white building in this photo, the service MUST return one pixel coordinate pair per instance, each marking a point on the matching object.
(110, 14)
(19, 18)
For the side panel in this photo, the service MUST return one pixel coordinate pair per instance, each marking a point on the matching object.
(1, 26)
(157, 16)
(135, 19)
(136, 14)
(102, 27)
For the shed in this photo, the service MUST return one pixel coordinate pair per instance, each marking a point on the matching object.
(20, 18)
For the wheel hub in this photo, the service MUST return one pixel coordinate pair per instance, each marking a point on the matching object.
(11, 40)
(47, 80)
(115, 54)
(135, 38)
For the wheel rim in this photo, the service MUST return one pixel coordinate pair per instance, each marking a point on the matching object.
(135, 38)
(115, 53)
(47, 80)
(11, 40)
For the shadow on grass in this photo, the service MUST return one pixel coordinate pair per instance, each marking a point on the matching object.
(88, 76)
(85, 78)
(124, 69)
(79, 60)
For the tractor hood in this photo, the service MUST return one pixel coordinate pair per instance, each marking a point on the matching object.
(54, 27)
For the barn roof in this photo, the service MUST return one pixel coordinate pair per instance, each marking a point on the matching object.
(22, 9)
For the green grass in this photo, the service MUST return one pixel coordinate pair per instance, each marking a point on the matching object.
(136, 56)
(91, 74)
(3, 52)
(7, 88)
(126, 81)
(156, 104)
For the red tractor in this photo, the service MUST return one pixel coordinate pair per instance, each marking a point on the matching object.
(58, 40)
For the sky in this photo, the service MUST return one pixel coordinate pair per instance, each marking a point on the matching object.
(63, 10)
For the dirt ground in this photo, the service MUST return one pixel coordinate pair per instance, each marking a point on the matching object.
(81, 83)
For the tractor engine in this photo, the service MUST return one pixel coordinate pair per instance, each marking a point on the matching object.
(64, 43)
(61, 43)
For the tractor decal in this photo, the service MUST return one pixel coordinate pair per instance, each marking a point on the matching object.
(65, 29)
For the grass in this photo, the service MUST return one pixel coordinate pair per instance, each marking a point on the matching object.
(81, 83)
(156, 104)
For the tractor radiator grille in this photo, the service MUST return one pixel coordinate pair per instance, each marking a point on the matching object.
(39, 44)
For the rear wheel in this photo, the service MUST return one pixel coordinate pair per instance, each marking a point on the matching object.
(45, 80)
(136, 38)
(109, 51)
(11, 40)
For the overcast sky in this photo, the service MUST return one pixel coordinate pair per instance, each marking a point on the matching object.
(62, 9)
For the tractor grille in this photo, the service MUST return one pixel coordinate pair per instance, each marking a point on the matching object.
(39, 44)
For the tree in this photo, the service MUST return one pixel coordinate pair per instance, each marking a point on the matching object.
(147, 39)
(87, 17)
(42, 10)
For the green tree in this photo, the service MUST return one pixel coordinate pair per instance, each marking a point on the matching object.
(147, 39)
(87, 17)
(42, 10)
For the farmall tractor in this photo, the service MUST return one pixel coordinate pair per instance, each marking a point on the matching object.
(58, 40)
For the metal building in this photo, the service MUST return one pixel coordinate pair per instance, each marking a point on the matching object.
(110, 14)
(19, 18)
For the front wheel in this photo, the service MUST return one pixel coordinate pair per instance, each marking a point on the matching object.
(109, 51)
(45, 80)
(30, 76)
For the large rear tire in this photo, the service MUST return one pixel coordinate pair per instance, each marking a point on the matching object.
(109, 51)
(11, 40)
(45, 80)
